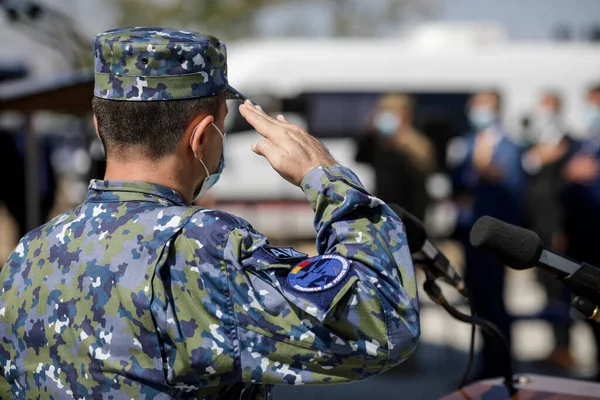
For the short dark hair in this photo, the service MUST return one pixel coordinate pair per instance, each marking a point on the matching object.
(493, 92)
(153, 127)
(497, 95)
(555, 96)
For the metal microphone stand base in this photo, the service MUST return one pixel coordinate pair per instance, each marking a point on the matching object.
(435, 294)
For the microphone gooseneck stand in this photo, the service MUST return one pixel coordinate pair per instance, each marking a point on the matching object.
(435, 294)
(588, 309)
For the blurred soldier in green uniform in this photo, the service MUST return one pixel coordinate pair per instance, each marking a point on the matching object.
(137, 294)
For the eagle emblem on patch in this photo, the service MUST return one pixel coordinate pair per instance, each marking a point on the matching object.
(318, 273)
(283, 253)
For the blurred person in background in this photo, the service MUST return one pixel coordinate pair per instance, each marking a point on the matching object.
(12, 162)
(550, 149)
(488, 176)
(401, 156)
(582, 198)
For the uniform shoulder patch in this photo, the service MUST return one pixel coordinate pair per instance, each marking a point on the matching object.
(318, 273)
(283, 253)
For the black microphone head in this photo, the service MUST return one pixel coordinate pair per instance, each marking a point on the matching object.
(415, 231)
(516, 247)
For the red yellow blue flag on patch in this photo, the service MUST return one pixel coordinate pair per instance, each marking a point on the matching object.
(318, 273)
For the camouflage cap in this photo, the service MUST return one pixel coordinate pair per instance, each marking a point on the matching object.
(152, 63)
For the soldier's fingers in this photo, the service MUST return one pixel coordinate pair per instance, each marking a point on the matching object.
(258, 109)
(294, 131)
(281, 134)
(262, 125)
(267, 149)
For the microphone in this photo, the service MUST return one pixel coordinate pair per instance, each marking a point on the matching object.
(517, 247)
(437, 264)
(521, 248)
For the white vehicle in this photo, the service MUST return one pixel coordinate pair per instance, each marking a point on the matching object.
(329, 86)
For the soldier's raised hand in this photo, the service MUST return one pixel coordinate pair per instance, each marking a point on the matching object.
(290, 150)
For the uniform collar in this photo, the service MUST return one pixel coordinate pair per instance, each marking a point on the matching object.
(111, 191)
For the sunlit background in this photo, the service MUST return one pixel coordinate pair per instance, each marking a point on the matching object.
(324, 65)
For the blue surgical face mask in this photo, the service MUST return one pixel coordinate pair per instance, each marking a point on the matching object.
(211, 179)
(387, 123)
(482, 117)
(592, 116)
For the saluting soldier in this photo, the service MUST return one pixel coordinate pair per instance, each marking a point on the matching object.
(137, 294)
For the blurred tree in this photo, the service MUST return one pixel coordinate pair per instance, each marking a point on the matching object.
(378, 17)
(230, 19)
(233, 19)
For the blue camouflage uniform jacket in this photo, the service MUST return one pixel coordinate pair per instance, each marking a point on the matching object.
(133, 295)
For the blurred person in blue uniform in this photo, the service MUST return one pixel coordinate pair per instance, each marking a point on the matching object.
(489, 178)
(401, 156)
(550, 149)
(582, 197)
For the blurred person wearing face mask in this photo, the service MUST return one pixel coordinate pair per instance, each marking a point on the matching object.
(549, 151)
(489, 180)
(581, 197)
(402, 156)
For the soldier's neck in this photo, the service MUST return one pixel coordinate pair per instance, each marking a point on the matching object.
(166, 173)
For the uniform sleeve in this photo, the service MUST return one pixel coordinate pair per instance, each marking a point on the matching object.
(347, 314)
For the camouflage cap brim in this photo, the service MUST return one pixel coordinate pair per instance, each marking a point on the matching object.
(234, 94)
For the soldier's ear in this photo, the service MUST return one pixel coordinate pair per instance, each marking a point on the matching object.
(196, 134)
(97, 132)
(96, 126)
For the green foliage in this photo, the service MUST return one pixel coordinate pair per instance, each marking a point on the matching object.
(236, 19)
(228, 19)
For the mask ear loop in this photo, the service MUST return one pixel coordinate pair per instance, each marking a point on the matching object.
(218, 130)
(199, 159)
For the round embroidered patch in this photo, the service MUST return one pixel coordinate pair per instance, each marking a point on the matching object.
(318, 273)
